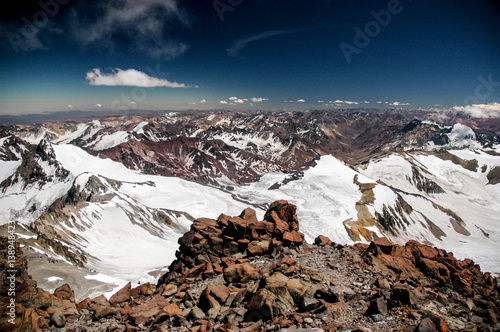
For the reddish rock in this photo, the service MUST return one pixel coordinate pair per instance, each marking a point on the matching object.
(122, 295)
(322, 240)
(258, 249)
(220, 292)
(65, 292)
(249, 215)
(144, 289)
(85, 304)
(169, 290)
(383, 244)
(173, 310)
(241, 273)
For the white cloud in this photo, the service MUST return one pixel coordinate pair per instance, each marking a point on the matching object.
(301, 101)
(321, 101)
(366, 102)
(141, 23)
(258, 99)
(237, 46)
(98, 105)
(239, 101)
(129, 77)
(491, 110)
(70, 106)
(223, 102)
(398, 103)
(348, 102)
(379, 102)
(233, 98)
(203, 101)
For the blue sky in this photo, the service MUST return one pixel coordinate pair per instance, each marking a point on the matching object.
(60, 55)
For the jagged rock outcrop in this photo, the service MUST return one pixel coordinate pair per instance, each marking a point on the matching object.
(211, 245)
(240, 274)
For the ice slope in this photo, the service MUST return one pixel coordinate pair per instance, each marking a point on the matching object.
(466, 194)
(121, 238)
(153, 191)
(325, 196)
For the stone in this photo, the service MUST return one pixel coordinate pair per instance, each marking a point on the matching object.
(208, 303)
(322, 241)
(383, 244)
(173, 310)
(310, 304)
(196, 313)
(327, 295)
(241, 273)
(101, 299)
(122, 295)
(261, 248)
(150, 308)
(377, 306)
(403, 295)
(144, 289)
(84, 304)
(220, 292)
(297, 288)
(101, 311)
(65, 292)
(249, 215)
(57, 319)
(276, 280)
(169, 290)
(426, 325)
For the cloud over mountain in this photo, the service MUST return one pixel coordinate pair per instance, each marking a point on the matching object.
(491, 110)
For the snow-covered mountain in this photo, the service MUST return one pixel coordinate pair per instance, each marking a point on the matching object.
(113, 195)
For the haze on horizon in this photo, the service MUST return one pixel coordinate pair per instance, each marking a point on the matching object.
(60, 55)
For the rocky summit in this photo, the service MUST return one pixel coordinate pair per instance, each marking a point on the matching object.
(240, 274)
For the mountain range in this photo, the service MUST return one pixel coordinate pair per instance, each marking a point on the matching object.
(105, 199)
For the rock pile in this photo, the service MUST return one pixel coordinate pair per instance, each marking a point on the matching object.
(239, 274)
(212, 245)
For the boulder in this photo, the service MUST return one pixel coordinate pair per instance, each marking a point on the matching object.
(57, 319)
(241, 273)
(122, 295)
(322, 240)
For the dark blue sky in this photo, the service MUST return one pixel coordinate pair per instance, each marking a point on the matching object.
(267, 54)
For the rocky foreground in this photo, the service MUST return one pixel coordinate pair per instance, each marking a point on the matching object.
(239, 274)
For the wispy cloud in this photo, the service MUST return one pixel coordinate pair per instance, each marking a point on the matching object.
(136, 25)
(258, 99)
(129, 77)
(239, 45)
(223, 102)
(203, 101)
(485, 111)
(301, 101)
